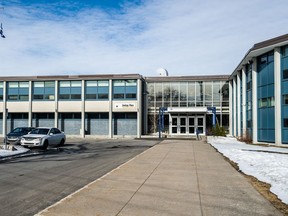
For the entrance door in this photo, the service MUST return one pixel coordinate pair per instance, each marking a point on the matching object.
(174, 125)
(178, 124)
(191, 125)
(182, 125)
(200, 124)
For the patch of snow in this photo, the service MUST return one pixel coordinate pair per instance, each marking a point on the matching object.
(19, 150)
(267, 164)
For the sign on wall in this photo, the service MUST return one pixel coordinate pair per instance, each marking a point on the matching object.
(125, 105)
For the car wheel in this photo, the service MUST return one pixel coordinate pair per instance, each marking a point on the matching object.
(45, 145)
(62, 142)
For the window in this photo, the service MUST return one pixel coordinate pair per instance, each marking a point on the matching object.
(262, 102)
(191, 91)
(208, 91)
(285, 122)
(249, 105)
(199, 93)
(285, 74)
(249, 123)
(284, 51)
(1, 90)
(44, 90)
(18, 91)
(266, 102)
(270, 102)
(70, 90)
(249, 86)
(55, 131)
(125, 89)
(285, 99)
(97, 90)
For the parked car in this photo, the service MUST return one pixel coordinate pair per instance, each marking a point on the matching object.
(43, 137)
(15, 135)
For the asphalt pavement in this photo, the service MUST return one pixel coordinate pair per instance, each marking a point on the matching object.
(175, 177)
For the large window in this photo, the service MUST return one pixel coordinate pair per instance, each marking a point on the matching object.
(44, 90)
(151, 94)
(191, 94)
(125, 89)
(188, 94)
(70, 90)
(18, 91)
(265, 96)
(199, 93)
(208, 93)
(183, 94)
(175, 93)
(97, 90)
(1, 91)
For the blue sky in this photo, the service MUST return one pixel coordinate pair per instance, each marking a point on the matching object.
(187, 37)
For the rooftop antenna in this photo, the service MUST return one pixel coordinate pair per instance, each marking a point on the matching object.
(1, 27)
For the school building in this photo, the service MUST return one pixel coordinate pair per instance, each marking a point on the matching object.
(251, 103)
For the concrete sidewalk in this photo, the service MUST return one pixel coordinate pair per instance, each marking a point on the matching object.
(175, 177)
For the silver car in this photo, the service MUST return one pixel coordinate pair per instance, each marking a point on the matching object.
(43, 137)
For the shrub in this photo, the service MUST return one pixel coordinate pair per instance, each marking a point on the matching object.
(218, 131)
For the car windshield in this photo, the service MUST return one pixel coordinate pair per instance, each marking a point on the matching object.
(40, 131)
(19, 130)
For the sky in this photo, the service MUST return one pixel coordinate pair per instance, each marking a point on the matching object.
(186, 37)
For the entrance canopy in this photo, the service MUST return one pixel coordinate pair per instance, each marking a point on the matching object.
(187, 109)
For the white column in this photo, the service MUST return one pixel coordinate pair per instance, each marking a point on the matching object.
(83, 109)
(254, 102)
(230, 107)
(145, 108)
(56, 105)
(4, 131)
(139, 110)
(244, 118)
(239, 105)
(110, 109)
(234, 107)
(30, 105)
(277, 98)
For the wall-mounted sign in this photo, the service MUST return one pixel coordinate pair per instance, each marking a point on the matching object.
(125, 105)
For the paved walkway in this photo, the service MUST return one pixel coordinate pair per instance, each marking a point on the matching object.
(175, 177)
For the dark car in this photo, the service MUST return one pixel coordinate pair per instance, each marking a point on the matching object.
(15, 135)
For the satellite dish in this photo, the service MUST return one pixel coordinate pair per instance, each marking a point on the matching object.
(162, 72)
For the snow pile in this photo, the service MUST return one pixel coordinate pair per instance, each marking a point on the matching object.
(267, 164)
(19, 150)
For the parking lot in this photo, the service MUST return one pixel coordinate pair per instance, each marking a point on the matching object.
(34, 180)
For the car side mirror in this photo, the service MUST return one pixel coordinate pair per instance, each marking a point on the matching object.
(51, 133)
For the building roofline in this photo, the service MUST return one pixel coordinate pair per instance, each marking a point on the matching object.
(186, 78)
(71, 77)
(259, 49)
(270, 42)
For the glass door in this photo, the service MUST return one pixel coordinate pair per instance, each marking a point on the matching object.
(191, 125)
(174, 125)
(182, 121)
(200, 124)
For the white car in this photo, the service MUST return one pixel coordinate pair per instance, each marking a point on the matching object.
(43, 137)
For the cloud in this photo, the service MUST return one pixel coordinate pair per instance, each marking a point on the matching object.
(186, 37)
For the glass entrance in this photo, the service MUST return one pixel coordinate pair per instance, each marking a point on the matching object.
(200, 124)
(182, 121)
(186, 125)
(174, 125)
(191, 125)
